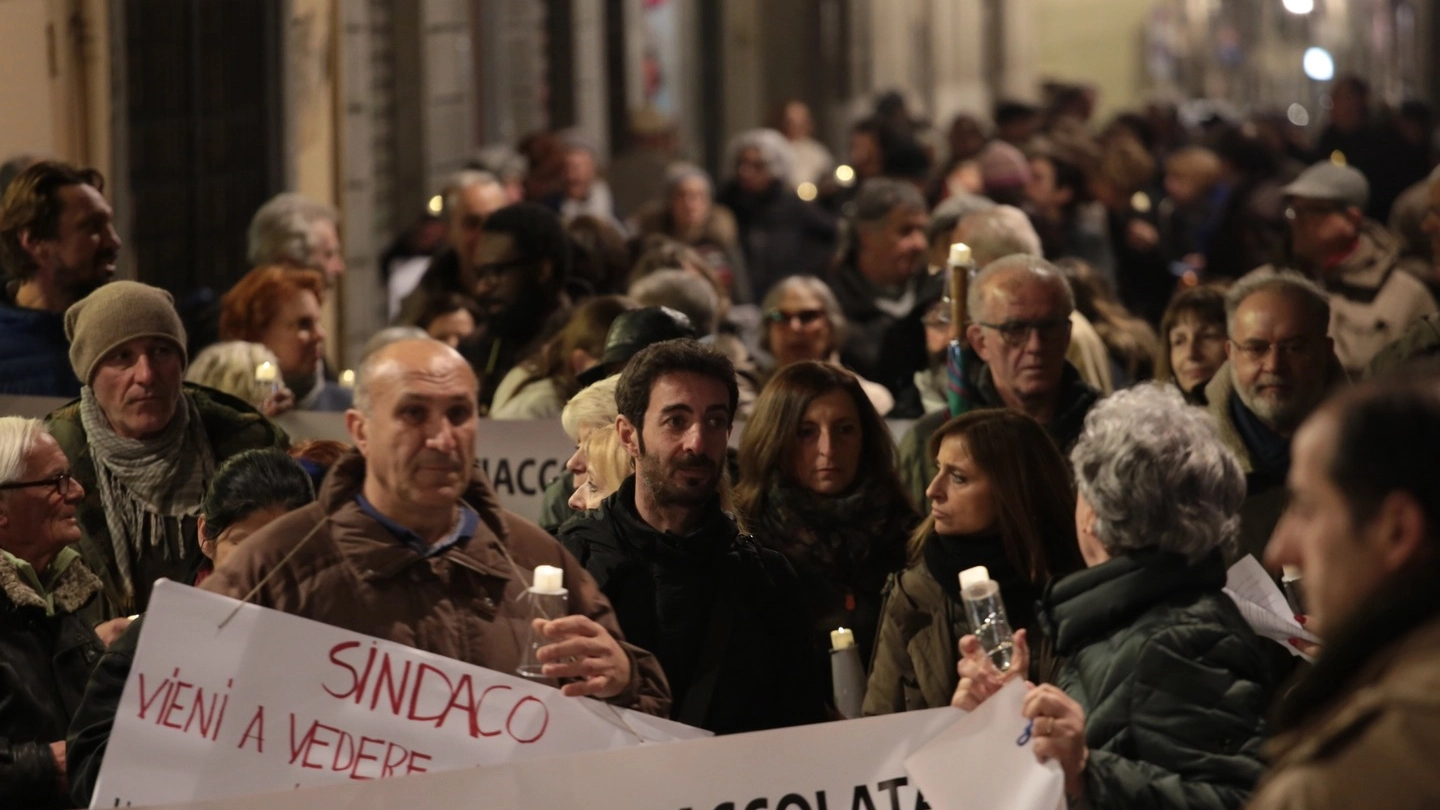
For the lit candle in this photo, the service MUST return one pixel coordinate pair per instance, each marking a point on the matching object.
(347, 379)
(841, 639)
(266, 372)
(959, 254)
(548, 579)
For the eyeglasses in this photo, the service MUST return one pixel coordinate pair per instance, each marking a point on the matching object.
(806, 317)
(61, 483)
(1017, 333)
(1257, 350)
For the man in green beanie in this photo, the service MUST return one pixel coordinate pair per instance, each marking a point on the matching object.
(143, 444)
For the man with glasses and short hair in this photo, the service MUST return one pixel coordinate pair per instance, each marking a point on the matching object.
(1355, 260)
(46, 651)
(1019, 308)
(1280, 366)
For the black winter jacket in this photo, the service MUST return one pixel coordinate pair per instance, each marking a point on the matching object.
(1173, 681)
(44, 664)
(666, 591)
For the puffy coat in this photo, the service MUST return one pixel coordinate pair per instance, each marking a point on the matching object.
(233, 427)
(464, 603)
(45, 661)
(1173, 681)
(714, 592)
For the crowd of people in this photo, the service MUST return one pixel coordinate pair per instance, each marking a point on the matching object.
(1179, 345)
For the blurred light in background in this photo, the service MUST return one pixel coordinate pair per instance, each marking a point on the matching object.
(806, 191)
(1299, 6)
(1318, 64)
(1298, 115)
(844, 175)
(435, 204)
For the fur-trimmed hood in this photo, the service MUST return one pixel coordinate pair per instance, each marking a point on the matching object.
(75, 587)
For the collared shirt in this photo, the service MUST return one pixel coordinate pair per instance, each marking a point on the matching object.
(464, 529)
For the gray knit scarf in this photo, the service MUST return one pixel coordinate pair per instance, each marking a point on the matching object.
(148, 487)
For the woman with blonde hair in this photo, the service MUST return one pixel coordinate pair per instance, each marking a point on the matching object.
(607, 465)
(234, 368)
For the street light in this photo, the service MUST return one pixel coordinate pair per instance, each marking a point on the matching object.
(1318, 64)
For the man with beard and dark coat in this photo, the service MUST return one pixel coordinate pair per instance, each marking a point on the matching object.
(518, 280)
(57, 244)
(722, 612)
(1279, 367)
(469, 198)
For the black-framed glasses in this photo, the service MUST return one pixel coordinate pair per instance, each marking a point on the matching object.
(806, 317)
(60, 482)
(1017, 333)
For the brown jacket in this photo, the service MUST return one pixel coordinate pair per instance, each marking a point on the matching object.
(1375, 748)
(463, 603)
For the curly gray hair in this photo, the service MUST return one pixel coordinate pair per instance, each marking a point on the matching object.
(774, 149)
(282, 230)
(1156, 474)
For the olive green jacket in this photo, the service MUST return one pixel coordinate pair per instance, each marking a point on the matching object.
(232, 425)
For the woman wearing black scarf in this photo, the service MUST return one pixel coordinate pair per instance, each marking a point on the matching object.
(1002, 499)
(818, 484)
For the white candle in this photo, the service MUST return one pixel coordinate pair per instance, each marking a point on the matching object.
(959, 254)
(841, 639)
(266, 372)
(548, 579)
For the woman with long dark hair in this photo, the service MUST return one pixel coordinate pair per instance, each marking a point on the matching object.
(818, 484)
(1002, 499)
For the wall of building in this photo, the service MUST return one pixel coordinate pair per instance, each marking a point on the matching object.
(1096, 41)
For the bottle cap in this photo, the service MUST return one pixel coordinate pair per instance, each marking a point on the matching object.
(1292, 573)
(971, 576)
(959, 254)
(842, 638)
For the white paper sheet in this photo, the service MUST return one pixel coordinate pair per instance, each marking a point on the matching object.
(1263, 605)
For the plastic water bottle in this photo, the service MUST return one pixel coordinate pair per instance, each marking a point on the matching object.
(847, 676)
(986, 613)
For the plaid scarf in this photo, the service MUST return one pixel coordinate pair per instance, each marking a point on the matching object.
(148, 486)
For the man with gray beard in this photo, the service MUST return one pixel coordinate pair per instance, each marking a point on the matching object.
(1280, 366)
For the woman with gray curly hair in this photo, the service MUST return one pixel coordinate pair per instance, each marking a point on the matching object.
(1161, 700)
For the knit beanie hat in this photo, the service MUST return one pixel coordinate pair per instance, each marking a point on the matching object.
(114, 314)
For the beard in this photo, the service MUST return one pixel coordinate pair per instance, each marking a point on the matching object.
(671, 489)
(1284, 413)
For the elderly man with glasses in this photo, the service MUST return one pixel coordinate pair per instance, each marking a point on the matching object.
(46, 650)
(1280, 365)
(1019, 309)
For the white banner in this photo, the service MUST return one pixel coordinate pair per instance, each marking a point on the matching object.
(273, 702)
(988, 760)
(846, 765)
